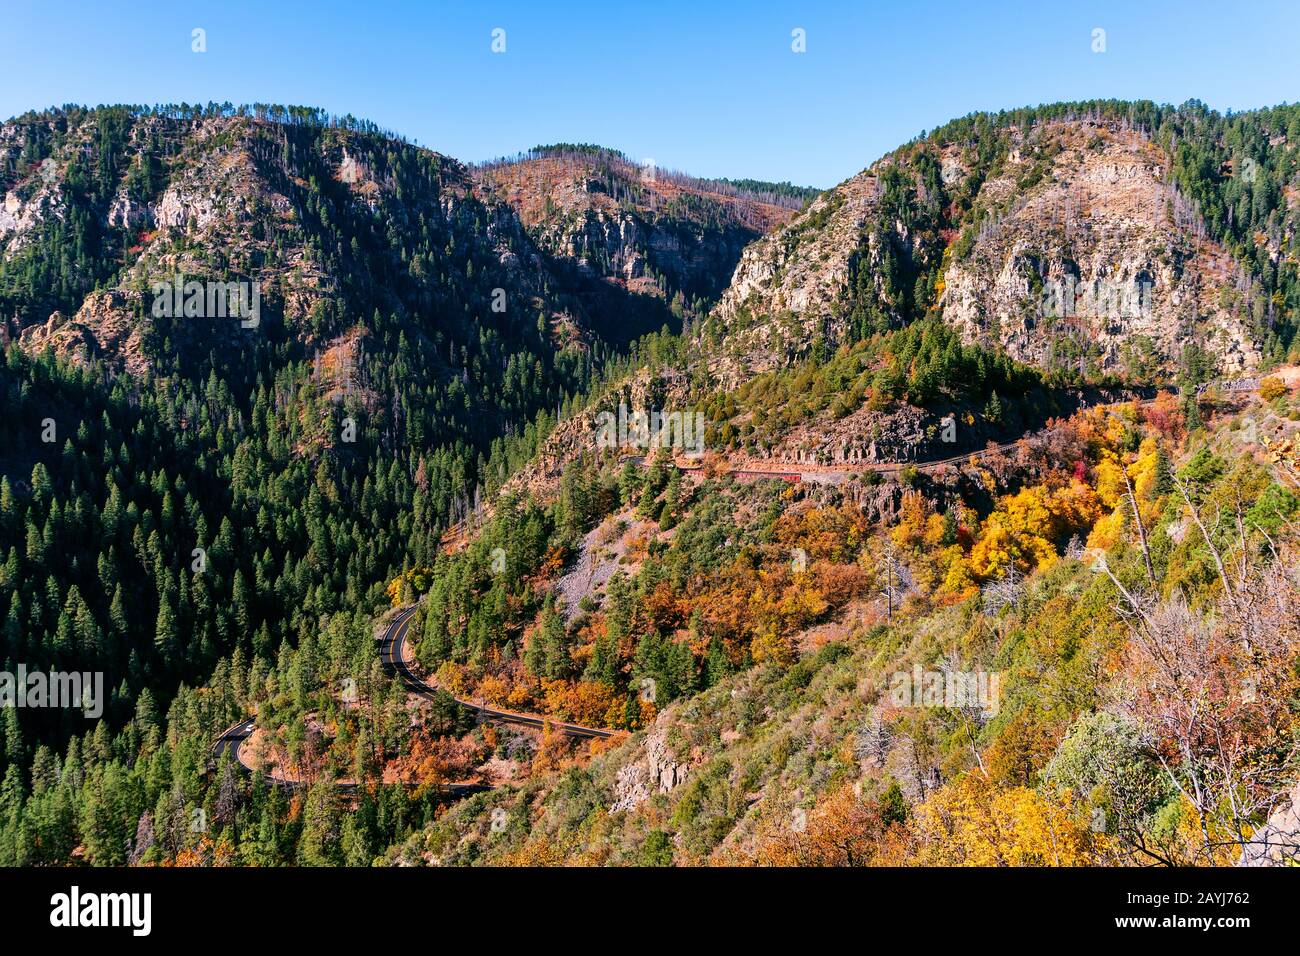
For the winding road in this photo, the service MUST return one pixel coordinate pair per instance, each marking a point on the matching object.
(391, 645)
(393, 639)
(391, 656)
(233, 738)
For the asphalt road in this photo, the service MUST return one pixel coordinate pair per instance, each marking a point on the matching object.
(390, 655)
(832, 474)
(231, 741)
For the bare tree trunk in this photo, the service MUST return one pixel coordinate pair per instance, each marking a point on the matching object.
(1228, 593)
(1137, 519)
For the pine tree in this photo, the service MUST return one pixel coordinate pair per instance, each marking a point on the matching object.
(319, 844)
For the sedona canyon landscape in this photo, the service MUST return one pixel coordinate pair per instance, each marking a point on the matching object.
(563, 508)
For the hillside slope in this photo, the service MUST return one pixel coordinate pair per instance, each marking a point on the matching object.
(648, 231)
(220, 512)
(1078, 237)
(1090, 707)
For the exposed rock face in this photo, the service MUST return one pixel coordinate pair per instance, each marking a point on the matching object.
(623, 246)
(804, 266)
(1101, 249)
(129, 213)
(620, 222)
(1074, 207)
(657, 771)
(26, 208)
(104, 326)
(1277, 842)
(353, 172)
(789, 283)
(861, 438)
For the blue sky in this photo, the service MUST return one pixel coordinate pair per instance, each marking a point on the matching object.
(708, 87)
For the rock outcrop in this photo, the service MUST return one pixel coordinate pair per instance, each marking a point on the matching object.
(651, 232)
(1102, 250)
(658, 770)
(1277, 842)
(1075, 240)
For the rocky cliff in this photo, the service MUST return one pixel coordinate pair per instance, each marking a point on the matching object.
(649, 231)
(1064, 242)
(1101, 249)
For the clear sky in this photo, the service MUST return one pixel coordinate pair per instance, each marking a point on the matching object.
(708, 87)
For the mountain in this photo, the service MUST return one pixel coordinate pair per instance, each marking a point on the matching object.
(768, 642)
(358, 242)
(1101, 237)
(651, 232)
(916, 475)
(337, 220)
(958, 684)
(412, 344)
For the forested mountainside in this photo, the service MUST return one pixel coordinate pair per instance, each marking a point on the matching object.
(672, 238)
(214, 515)
(990, 218)
(376, 261)
(1129, 598)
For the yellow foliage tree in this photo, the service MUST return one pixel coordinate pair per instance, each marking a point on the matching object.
(1271, 388)
(970, 822)
(957, 578)
(1026, 525)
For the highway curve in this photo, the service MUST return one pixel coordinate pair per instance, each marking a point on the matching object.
(456, 534)
(233, 738)
(394, 636)
(390, 654)
(807, 471)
